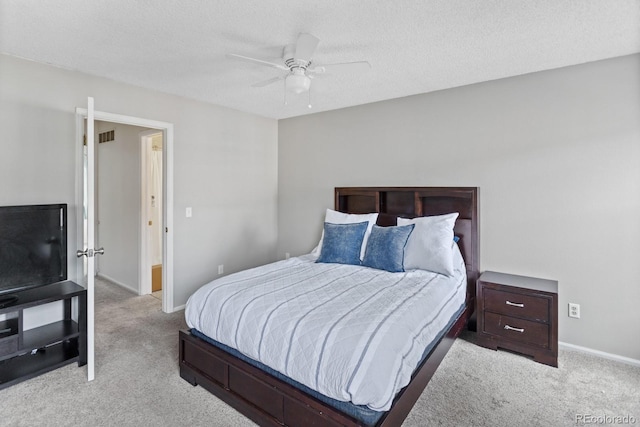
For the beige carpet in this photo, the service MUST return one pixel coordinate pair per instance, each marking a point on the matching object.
(137, 382)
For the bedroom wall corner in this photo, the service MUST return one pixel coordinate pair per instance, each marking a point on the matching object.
(555, 155)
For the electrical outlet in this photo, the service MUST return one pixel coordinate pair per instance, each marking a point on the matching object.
(287, 255)
(574, 310)
(221, 269)
(188, 212)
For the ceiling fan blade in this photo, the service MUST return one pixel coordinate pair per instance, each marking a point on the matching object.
(257, 61)
(305, 46)
(345, 67)
(268, 82)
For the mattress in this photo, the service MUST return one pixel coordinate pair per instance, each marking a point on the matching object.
(351, 333)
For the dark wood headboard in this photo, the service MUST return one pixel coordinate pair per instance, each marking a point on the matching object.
(411, 202)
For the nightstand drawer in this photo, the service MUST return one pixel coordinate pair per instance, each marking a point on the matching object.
(516, 329)
(518, 305)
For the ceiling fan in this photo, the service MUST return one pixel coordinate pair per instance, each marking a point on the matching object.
(297, 61)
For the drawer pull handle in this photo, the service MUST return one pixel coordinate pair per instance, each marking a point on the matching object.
(515, 304)
(510, 328)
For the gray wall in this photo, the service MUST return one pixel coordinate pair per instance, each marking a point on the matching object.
(118, 204)
(225, 164)
(556, 155)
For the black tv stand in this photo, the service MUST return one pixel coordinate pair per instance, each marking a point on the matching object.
(25, 354)
(7, 300)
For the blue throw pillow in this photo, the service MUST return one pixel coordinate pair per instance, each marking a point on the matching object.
(385, 248)
(342, 243)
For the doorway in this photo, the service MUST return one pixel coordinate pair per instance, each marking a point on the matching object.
(151, 148)
(166, 130)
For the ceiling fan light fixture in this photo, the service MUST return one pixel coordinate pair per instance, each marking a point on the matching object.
(298, 61)
(297, 83)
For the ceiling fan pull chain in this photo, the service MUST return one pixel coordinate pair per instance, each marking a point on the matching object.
(309, 98)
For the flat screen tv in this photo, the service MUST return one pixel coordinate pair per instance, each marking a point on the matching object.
(33, 246)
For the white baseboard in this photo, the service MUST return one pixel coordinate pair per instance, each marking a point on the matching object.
(115, 282)
(602, 354)
(178, 308)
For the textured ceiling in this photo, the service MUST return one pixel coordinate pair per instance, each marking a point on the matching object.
(413, 47)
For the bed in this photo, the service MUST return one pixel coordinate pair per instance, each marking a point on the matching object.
(269, 397)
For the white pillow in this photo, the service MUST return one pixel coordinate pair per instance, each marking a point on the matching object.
(335, 217)
(430, 245)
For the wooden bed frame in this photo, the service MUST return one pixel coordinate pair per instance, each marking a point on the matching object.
(269, 401)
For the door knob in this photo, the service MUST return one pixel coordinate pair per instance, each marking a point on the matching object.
(89, 253)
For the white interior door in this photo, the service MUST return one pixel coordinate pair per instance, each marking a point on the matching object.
(87, 210)
(88, 252)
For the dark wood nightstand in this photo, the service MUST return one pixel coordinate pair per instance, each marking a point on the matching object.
(518, 313)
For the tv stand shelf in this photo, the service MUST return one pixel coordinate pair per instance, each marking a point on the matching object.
(26, 354)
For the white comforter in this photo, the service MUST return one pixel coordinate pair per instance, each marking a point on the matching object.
(352, 333)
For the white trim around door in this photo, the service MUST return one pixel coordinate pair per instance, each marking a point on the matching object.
(167, 179)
